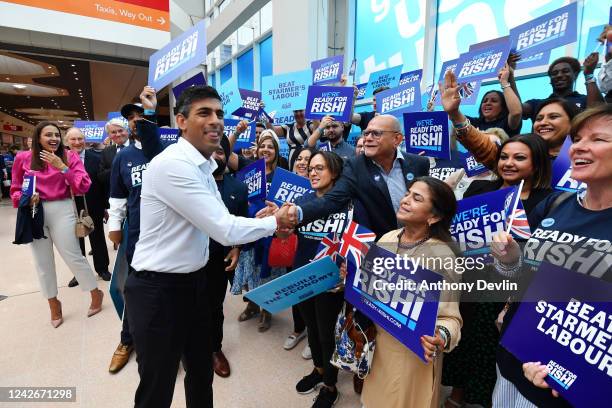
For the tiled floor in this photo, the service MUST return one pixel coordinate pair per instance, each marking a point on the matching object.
(77, 353)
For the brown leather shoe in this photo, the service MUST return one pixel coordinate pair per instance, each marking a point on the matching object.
(357, 384)
(220, 364)
(120, 358)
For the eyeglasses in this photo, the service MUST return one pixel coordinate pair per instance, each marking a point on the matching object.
(376, 134)
(318, 169)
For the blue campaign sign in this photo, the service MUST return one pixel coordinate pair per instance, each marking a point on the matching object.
(396, 101)
(427, 132)
(471, 166)
(93, 131)
(28, 186)
(185, 52)
(296, 286)
(254, 176)
(478, 218)
(325, 147)
(387, 77)
(410, 77)
(334, 101)
(562, 171)
(230, 96)
(244, 140)
(401, 297)
(537, 59)
(592, 44)
(197, 79)
(286, 187)
(468, 91)
(250, 104)
(286, 92)
(327, 70)
(484, 61)
(168, 135)
(564, 322)
(361, 90)
(283, 148)
(549, 31)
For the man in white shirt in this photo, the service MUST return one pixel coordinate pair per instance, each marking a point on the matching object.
(180, 209)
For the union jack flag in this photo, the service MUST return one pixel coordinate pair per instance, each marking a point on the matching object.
(329, 246)
(466, 89)
(516, 217)
(354, 245)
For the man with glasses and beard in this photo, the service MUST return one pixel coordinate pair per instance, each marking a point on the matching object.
(333, 131)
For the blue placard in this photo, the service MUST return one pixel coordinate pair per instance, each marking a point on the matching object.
(28, 186)
(325, 147)
(296, 286)
(197, 79)
(562, 171)
(247, 138)
(484, 61)
(546, 32)
(477, 219)
(180, 55)
(537, 59)
(334, 101)
(283, 148)
(387, 77)
(230, 96)
(254, 176)
(471, 166)
(468, 91)
(396, 101)
(168, 135)
(286, 92)
(409, 309)
(94, 131)
(250, 101)
(327, 70)
(410, 77)
(361, 90)
(286, 187)
(427, 132)
(564, 322)
(592, 44)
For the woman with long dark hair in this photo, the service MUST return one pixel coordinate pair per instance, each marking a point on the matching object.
(57, 171)
(398, 377)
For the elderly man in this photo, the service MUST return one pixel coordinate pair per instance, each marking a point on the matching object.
(94, 201)
(119, 135)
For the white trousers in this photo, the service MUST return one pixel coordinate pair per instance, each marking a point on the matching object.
(60, 222)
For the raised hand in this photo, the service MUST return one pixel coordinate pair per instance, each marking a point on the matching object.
(590, 63)
(449, 94)
(148, 98)
(504, 75)
(242, 126)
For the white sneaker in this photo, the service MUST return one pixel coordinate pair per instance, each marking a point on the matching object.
(306, 354)
(293, 340)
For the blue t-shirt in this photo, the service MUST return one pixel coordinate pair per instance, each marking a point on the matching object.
(126, 182)
(311, 235)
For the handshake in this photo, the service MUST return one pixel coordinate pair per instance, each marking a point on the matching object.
(286, 216)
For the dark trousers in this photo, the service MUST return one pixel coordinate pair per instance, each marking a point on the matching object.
(320, 314)
(298, 321)
(126, 337)
(168, 314)
(216, 288)
(96, 240)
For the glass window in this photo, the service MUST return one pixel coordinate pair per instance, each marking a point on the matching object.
(245, 70)
(211, 80)
(225, 73)
(266, 17)
(265, 58)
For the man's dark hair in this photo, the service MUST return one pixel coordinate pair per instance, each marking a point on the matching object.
(192, 94)
(573, 63)
(380, 89)
(260, 124)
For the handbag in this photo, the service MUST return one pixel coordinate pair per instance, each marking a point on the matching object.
(354, 347)
(84, 223)
(282, 251)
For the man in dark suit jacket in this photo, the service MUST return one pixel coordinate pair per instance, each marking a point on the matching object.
(115, 128)
(223, 260)
(378, 178)
(95, 199)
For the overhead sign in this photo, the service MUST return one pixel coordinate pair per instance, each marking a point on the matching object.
(250, 104)
(387, 77)
(92, 130)
(180, 55)
(142, 23)
(327, 70)
(546, 32)
(396, 101)
(230, 96)
(286, 92)
(484, 61)
(410, 77)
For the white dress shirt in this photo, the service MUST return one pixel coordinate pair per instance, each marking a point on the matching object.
(180, 208)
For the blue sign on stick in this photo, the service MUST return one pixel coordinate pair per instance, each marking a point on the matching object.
(427, 132)
(93, 131)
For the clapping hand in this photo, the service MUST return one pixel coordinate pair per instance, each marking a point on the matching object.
(536, 372)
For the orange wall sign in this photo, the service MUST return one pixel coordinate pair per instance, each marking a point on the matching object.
(146, 13)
